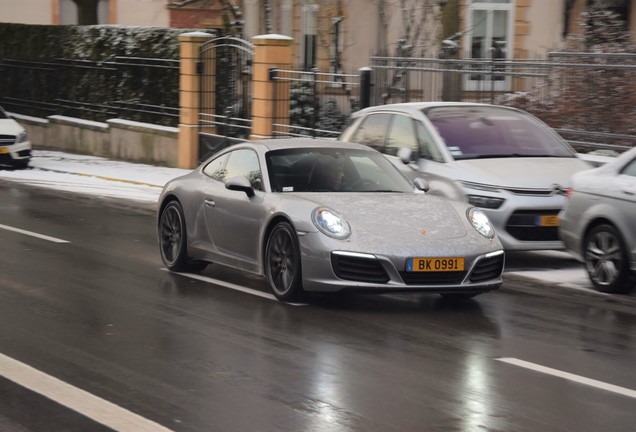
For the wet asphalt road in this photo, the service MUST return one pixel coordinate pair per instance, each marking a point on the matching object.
(100, 314)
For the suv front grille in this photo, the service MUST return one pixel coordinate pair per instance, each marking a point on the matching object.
(523, 226)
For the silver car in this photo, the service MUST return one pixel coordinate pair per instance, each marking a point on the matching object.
(327, 216)
(500, 159)
(598, 224)
(15, 146)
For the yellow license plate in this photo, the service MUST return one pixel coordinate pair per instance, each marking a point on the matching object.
(435, 264)
(4, 150)
(548, 221)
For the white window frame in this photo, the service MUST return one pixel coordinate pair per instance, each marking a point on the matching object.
(486, 84)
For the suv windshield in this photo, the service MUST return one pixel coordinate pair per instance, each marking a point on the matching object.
(472, 132)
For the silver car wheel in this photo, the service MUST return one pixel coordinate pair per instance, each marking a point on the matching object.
(282, 263)
(172, 240)
(606, 260)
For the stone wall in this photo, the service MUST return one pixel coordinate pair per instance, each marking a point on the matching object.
(115, 139)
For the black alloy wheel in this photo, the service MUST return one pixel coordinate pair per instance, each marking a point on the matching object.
(606, 260)
(282, 263)
(172, 240)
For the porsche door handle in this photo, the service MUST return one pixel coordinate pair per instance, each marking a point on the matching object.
(210, 202)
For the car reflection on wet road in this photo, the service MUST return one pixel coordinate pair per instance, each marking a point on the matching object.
(101, 314)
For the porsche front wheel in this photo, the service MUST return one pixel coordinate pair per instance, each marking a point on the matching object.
(173, 240)
(282, 263)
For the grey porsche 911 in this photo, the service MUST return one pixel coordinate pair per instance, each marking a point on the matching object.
(315, 215)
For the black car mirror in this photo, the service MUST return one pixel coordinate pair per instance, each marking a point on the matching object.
(240, 183)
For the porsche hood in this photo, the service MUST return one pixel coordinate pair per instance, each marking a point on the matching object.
(391, 216)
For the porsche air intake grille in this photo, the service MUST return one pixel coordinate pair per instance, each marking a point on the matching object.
(523, 226)
(436, 278)
(487, 269)
(358, 269)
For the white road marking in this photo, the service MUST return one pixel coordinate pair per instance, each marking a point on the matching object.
(234, 287)
(568, 376)
(33, 234)
(78, 400)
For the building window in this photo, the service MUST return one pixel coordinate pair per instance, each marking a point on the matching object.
(488, 37)
(68, 12)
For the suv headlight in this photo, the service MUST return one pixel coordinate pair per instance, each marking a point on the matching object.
(330, 223)
(480, 222)
(485, 201)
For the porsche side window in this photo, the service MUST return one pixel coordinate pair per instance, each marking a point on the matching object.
(244, 162)
(372, 131)
(216, 168)
(401, 134)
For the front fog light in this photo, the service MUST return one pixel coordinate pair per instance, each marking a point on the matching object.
(480, 222)
(330, 223)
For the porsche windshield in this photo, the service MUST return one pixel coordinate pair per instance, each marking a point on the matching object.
(485, 132)
(333, 170)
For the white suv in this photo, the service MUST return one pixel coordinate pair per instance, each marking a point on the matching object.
(15, 146)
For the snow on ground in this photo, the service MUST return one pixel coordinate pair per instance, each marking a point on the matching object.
(94, 175)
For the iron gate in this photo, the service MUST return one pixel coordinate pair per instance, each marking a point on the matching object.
(225, 71)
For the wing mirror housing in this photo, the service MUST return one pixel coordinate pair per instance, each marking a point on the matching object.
(240, 183)
(405, 154)
(421, 184)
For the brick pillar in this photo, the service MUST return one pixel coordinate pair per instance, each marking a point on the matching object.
(188, 146)
(270, 51)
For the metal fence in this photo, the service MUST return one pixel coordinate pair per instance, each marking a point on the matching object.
(313, 103)
(133, 88)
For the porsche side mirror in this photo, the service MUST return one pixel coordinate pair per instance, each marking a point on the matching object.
(421, 184)
(240, 183)
(405, 154)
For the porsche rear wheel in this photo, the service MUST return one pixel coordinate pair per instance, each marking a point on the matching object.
(173, 240)
(606, 260)
(282, 263)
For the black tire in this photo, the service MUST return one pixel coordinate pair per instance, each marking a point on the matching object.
(173, 240)
(606, 260)
(282, 263)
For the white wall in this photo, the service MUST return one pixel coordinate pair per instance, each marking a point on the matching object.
(26, 11)
(546, 27)
(128, 12)
(143, 13)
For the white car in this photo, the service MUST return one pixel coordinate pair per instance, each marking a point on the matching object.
(598, 224)
(500, 159)
(15, 146)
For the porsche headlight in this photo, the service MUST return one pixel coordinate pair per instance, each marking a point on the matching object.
(480, 222)
(330, 223)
